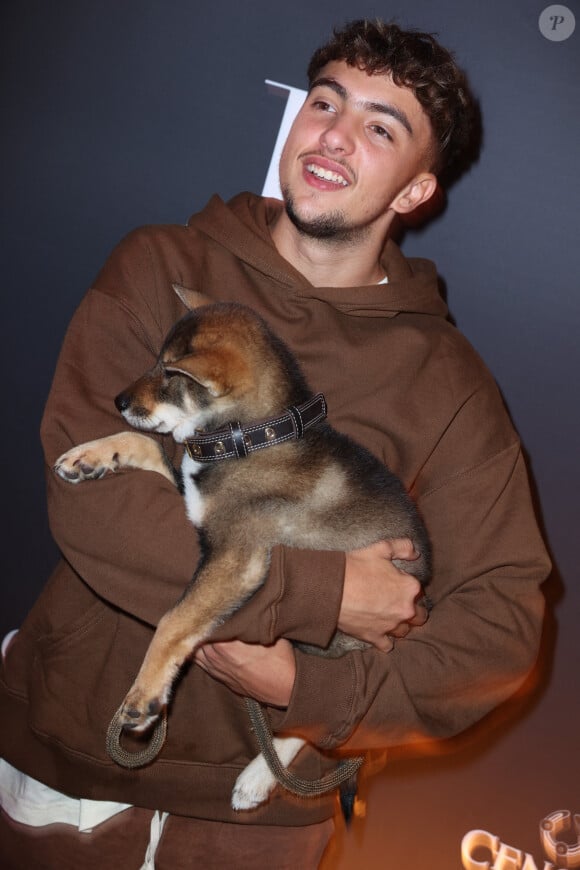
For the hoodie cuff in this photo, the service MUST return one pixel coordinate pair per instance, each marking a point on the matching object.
(309, 603)
(323, 706)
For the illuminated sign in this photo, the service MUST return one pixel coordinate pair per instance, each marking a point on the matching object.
(481, 850)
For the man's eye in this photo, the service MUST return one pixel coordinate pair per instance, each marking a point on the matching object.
(322, 105)
(381, 131)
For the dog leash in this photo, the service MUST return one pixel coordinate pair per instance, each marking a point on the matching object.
(261, 728)
(292, 783)
(143, 756)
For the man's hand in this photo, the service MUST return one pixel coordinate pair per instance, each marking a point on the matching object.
(265, 673)
(379, 600)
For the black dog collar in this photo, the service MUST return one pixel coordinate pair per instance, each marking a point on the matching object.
(236, 441)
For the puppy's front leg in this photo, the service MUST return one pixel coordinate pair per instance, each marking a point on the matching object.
(94, 459)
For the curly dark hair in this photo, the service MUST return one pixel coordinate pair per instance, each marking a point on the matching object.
(416, 61)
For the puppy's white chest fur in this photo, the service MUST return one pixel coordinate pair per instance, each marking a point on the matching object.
(193, 499)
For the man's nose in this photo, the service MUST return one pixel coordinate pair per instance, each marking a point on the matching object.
(339, 136)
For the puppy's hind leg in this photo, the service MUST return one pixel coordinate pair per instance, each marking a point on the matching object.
(220, 586)
(256, 782)
(93, 459)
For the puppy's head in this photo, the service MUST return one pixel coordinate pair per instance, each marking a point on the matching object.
(216, 365)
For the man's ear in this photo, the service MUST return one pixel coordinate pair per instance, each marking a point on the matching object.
(415, 194)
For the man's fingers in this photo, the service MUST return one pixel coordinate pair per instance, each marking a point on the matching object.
(420, 618)
(403, 548)
(201, 658)
(421, 613)
(397, 548)
(384, 643)
(401, 630)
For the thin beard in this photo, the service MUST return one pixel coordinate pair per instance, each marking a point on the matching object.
(329, 228)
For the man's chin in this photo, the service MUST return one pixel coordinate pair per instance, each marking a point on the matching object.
(331, 226)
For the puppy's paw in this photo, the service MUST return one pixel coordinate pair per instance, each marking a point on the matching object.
(253, 786)
(138, 713)
(85, 462)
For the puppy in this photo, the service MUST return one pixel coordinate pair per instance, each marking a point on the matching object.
(260, 468)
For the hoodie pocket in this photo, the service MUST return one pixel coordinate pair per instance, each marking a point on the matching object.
(81, 674)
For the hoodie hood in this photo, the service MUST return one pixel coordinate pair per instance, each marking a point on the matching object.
(242, 226)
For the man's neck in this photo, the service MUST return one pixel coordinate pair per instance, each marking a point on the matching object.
(328, 263)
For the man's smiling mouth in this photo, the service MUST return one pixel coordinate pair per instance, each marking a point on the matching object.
(326, 174)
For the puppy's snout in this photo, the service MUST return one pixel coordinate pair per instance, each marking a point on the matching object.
(122, 402)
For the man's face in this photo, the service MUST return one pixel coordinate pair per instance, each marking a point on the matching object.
(354, 155)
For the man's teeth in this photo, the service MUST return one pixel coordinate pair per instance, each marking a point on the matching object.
(326, 174)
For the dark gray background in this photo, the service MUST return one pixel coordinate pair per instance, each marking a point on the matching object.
(126, 112)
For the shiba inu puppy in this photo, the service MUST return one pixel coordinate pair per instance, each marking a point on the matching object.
(260, 468)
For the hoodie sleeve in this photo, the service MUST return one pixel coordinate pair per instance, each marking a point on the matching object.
(125, 535)
(482, 637)
(289, 603)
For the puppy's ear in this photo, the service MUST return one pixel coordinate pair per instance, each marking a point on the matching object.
(212, 380)
(219, 371)
(192, 299)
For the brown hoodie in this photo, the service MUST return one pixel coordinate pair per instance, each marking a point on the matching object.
(398, 378)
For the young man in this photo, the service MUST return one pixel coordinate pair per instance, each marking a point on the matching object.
(386, 113)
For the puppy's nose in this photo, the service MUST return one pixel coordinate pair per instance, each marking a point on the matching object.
(122, 402)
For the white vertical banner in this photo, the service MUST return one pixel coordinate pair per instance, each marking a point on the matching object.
(295, 99)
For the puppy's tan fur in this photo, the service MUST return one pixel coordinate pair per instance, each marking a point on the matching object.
(221, 363)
